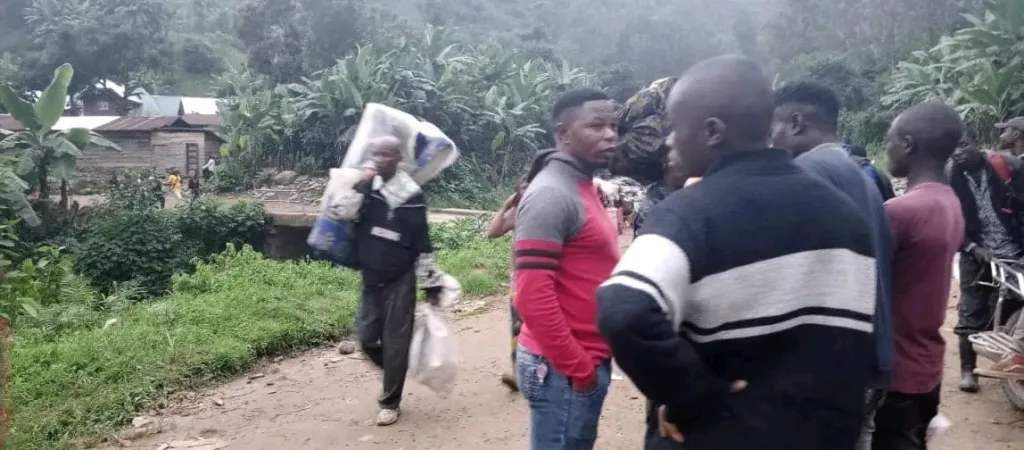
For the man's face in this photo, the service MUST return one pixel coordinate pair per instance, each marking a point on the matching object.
(967, 155)
(897, 149)
(788, 131)
(385, 159)
(692, 136)
(1008, 138)
(672, 170)
(590, 133)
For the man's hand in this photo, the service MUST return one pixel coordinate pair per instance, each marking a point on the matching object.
(511, 202)
(585, 385)
(671, 431)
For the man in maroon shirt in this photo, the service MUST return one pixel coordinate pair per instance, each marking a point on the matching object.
(565, 246)
(928, 227)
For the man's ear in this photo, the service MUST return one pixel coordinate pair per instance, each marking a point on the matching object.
(1016, 135)
(714, 129)
(561, 132)
(908, 142)
(797, 123)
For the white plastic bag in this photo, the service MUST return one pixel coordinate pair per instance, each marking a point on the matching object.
(939, 425)
(433, 357)
(426, 150)
(340, 200)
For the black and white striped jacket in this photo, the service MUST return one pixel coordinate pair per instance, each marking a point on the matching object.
(760, 272)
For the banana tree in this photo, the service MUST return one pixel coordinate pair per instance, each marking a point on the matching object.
(42, 151)
(12, 192)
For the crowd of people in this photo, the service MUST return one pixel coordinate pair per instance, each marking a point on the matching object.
(786, 300)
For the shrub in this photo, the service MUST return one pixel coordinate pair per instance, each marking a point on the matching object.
(78, 373)
(217, 321)
(212, 225)
(458, 234)
(136, 189)
(141, 245)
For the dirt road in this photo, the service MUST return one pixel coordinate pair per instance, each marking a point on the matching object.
(320, 400)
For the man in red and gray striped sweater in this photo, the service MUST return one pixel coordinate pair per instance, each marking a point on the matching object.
(565, 246)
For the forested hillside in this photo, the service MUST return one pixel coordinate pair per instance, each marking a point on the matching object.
(297, 72)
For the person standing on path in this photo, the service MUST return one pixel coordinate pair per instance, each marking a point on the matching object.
(393, 249)
(504, 221)
(174, 183)
(742, 307)
(988, 185)
(805, 122)
(929, 229)
(565, 246)
(193, 185)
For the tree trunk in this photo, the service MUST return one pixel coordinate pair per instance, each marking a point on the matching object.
(64, 198)
(43, 171)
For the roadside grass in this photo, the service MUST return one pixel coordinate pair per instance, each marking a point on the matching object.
(71, 389)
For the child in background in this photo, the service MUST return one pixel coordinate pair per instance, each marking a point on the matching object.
(174, 183)
(193, 185)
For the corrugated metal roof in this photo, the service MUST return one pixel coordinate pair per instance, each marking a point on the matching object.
(199, 105)
(203, 120)
(64, 123)
(87, 122)
(139, 123)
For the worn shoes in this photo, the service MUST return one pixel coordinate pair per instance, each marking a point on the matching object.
(509, 381)
(387, 417)
(968, 381)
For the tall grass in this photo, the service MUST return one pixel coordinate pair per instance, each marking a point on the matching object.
(88, 380)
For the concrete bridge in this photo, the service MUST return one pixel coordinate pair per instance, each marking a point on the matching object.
(292, 221)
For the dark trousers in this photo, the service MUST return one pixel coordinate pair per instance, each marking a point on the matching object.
(385, 323)
(902, 421)
(517, 325)
(977, 302)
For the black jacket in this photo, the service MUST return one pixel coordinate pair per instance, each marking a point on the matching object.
(388, 242)
(1006, 198)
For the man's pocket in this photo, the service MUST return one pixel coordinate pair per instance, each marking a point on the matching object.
(585, 407)
(532, 372)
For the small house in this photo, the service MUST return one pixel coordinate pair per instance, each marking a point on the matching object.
(153, 142)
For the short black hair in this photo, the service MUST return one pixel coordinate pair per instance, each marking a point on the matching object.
(934, 126)
(573, 99)
(821, 102)
(856, 150)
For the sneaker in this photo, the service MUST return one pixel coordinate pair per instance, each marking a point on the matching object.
(387, 417)
(1010, 368)
(968, 382)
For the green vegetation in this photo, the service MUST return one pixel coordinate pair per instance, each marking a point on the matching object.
(489, 101)
(87, 365)
(976, 69)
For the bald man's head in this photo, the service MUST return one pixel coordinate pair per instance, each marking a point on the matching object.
(927, 133)
(386, 154)
(720, 104)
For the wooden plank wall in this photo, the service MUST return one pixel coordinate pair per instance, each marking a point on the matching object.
(136, 152)
(160, 150)
(171, 148)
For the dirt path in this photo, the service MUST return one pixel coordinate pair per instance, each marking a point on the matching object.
(320, 400)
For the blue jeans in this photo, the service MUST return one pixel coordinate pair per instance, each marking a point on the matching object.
(560, 418)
